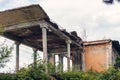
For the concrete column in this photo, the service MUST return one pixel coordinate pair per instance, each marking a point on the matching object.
(52, 58)
(83, 61)
(73, 59)
(68, 54)
(45, 55)
(34, 56)
(79, 64)
(107, 56)
(61, 62)
(76, 62)
(17, 55)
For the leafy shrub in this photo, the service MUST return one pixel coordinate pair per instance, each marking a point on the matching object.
(110, 74)
(5, 54)
(33, 73)
(7, 76)
(38, 73)
(90, 75)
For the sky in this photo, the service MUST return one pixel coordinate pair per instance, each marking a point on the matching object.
(91, 17)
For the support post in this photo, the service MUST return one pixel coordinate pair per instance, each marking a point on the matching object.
(73, 60)
(35, 56)
(68, 54)
(52, 58)
(83, 61)
(45, 55)
(80, 61)
(61, 62)
(17, 55)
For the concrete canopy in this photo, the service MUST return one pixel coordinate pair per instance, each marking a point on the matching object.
(24, 25)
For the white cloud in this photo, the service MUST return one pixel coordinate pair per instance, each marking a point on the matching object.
(97, 17)
(73, 15)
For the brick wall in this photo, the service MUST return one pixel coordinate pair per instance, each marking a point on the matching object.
(97, 57)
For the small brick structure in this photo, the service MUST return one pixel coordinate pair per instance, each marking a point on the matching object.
(100, 54)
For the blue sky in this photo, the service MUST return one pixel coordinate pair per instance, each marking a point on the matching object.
(100, 21)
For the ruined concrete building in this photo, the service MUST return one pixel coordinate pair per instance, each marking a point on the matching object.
(31, 26)
(101, 54)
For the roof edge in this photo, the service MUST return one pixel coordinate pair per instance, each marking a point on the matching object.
(7, 10)
(97, 42)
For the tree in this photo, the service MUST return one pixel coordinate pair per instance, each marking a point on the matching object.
(5, 52)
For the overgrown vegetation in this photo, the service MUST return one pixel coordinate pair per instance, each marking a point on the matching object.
(5, 52)
(7, 76)
(5, 55)
(110, 74)
(37, 72)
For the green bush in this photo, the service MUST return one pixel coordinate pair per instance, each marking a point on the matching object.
(5, 54)
(90, 75)
(7, 76)
(38, 73)
(33, 73)
(110, 74)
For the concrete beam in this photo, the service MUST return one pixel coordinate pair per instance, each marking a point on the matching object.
(22, 25)
(59, 33)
